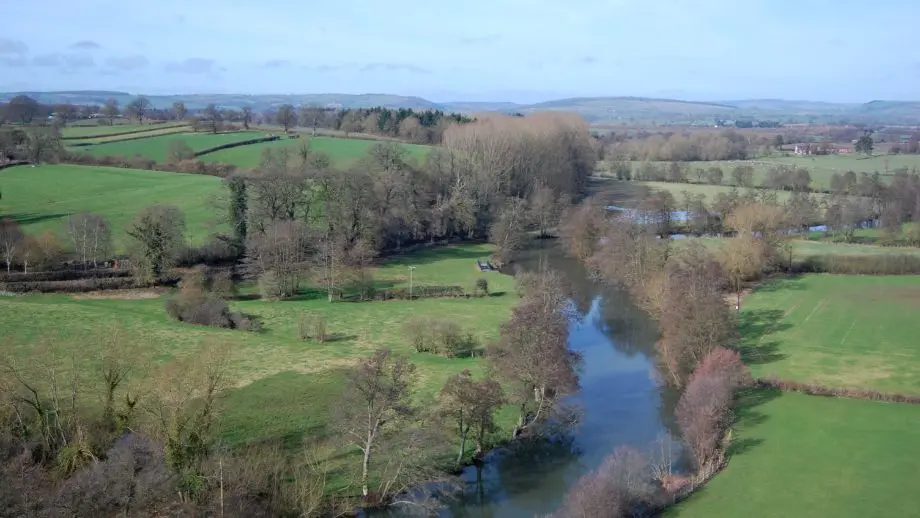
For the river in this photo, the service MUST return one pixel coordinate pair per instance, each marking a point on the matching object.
(620, 401)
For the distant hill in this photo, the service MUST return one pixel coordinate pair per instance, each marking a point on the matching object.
(596, 110)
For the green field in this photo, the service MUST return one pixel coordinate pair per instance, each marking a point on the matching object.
(631, 191)
(284, 386)
(88, 131)
(343, 152)
(799, 455)
(836, 330)
(40, 198)
(802, 249)
(821, 168)
(157, 147)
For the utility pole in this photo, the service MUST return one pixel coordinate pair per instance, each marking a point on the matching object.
(411, 269)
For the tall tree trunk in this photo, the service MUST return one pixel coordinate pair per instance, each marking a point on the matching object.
(462, 446)
(364, 467)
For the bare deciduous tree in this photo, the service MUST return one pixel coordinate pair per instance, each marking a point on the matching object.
(137, 108)
(11, 237)
(377, 401)
(90, 236)
(470, 406)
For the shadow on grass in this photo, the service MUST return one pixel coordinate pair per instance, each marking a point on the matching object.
(755, 326)
(25, 218)
(748, 417)
(435, 254)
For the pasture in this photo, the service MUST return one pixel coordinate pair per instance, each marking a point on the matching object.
(821, 168)
(799, 455)
(343, 152)
(41, 198)
(629, 192)
(156, 147)
(835, 330)
(84, 132)
(284, 387)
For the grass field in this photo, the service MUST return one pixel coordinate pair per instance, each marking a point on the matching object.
(628, 192)
(156, 147)
(42, 197)
(88, 131)
(285, 387)
(802, 249)
(799, 455)
(836, 330)
(342, 151)
(821, 168)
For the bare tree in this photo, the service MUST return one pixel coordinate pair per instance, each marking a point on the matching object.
(286, 117)
(545, 208)
(11, 237)
(470, 406)
(90, 236)
(183, 408)
(284, 250)
(377, 401)
(508, 231)
(247, 116)
(110, 110)
(213, 118)
(179, 110)
(581, 227)
(532, 358)
(137, 108)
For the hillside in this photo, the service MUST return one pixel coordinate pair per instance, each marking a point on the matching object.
(597, 110)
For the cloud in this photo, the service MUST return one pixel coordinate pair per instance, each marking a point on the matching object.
(394, 67)
(15, 62)
(86, 45)
(325, 68)
(475, 40)
(588, 60)
(8, 46)
(127, 62)
(192, 66)
(276, 63)
(64, 62)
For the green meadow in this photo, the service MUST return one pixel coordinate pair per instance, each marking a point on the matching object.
(798, 455)
(157, 147)
(342, 151)
(836, 330)
(42, 197)
(284, 387)
(82, 132)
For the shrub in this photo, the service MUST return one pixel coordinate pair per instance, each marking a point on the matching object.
(482, 287)
(195, 305)
(312, 327)
(704, 409)
(178, 150)
(439, 336)
(222, 284)
(77, 285)
(214, 252)
(269, 286)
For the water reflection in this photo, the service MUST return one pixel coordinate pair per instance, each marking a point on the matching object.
(620, 399)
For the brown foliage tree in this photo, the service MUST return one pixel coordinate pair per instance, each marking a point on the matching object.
(470, 406)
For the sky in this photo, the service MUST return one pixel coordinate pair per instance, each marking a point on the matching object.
(474, 50)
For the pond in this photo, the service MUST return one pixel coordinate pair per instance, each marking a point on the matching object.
(620, 400)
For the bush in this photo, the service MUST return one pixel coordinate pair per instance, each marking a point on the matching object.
(65, 275)
(269, 286)
(312, 327)
(196, 305)
(178, 150)
(215, 252)
(222, 284)
(704, 410)
(439, 336)
(880, 264)
(482, 288)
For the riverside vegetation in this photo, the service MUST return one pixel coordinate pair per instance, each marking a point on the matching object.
(226, 396)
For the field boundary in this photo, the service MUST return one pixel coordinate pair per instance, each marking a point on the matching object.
(144, 130)
(815, 389)
(236, 144)
(133, 136)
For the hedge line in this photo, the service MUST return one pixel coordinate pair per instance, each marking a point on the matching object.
(880, 264)
(143, 130)
(127, 139)
(418, 292)
(74, 286)
(820, 390)
(14, 163)
(64, 275)
(236, 144)
(138, 162)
